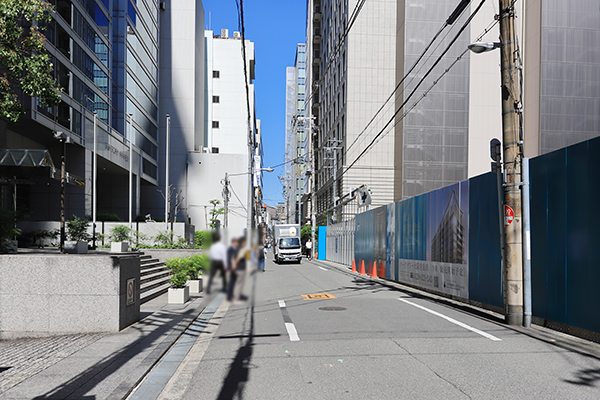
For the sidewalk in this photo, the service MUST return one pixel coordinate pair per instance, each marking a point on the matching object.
(94, 366)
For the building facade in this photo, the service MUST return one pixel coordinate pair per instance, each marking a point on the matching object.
(296, 162)
(227, 130)
(105, 57)
(351, 72)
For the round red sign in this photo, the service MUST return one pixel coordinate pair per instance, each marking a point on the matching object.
(509, 215)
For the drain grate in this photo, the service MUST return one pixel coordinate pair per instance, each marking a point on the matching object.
(333, 308)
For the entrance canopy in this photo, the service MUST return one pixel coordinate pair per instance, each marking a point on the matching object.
(12, 162)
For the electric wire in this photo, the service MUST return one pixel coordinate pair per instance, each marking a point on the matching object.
(440, 57)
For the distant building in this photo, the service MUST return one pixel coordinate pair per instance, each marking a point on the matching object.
(296, 136)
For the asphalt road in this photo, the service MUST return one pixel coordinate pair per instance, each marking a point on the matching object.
(365, 340)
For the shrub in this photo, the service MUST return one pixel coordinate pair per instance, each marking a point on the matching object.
(120, 233)
(77, 229)
(204, 239)
(198, 265)
(7, 228)
(164, 239)
(180, 270)
(35, 237)
(108, 218)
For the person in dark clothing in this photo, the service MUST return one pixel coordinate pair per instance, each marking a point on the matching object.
(231, 252)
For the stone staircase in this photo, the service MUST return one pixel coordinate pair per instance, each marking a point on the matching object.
(154, 278)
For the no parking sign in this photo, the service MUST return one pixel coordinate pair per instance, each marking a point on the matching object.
(509, 215)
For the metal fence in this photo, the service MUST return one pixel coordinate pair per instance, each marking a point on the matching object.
(340, 242)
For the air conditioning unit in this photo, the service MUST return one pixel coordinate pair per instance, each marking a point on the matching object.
(205, 150)
(237, 35)
(224, 33)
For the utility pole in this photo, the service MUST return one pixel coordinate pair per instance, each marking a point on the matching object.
(167, 150)
(511, 109)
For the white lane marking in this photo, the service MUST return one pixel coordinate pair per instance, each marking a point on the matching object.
(324, 269)
(291, 329)
(482, 333)
(281, 303)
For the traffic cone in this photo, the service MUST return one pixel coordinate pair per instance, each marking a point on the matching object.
(362, 267)
(374, 270)
(354, 266)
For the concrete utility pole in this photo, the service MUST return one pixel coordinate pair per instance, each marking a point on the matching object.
(511, 108)
(334, 148)
(167, 150)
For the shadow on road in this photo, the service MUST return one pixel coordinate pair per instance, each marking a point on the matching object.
(239, 369)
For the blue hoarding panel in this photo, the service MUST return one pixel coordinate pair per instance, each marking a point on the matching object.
(322, 255)
(485, 267)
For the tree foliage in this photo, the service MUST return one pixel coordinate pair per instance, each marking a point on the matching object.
(24, 62)
(215, 213)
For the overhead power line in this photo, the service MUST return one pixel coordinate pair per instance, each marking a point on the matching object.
(439, 59)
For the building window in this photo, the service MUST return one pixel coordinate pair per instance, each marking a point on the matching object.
(215, 124)
(216, 74)
(216, 99)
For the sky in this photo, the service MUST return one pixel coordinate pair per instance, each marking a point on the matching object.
(275, 27)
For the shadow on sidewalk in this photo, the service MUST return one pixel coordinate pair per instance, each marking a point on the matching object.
(152, 329)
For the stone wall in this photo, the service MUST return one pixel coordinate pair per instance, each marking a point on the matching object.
(46, 294)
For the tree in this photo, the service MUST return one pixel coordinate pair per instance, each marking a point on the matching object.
(24, 62)
(175, 200)
(215, 212)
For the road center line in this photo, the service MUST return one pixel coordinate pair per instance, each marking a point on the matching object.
(289, 325)
(463, 325)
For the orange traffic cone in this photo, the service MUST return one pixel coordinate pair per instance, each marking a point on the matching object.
(362, 267)
(354, 266)
(374, 270)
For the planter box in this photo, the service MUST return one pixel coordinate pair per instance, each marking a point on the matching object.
(73, 247)
(178, 295)
(195, 286)
(119, 247)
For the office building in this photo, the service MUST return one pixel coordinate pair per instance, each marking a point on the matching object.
(105, 57)
(296, 163)
(351, 75)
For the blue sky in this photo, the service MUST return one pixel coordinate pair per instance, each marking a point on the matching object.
(275, 27)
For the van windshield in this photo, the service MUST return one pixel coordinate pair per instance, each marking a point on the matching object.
(289, 243)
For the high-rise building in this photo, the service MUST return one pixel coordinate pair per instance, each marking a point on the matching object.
(105, 57)
(351, 72)
(296, 140)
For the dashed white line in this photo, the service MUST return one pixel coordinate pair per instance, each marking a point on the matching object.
(324, 269)
(463, 325)
(289, 325)
(291, 330)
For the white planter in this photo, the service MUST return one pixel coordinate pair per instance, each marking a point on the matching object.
(195, 285)
(76, 247)
(178, 295)
(119, 247)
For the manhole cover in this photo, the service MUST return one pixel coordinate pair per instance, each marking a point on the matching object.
(333, 308)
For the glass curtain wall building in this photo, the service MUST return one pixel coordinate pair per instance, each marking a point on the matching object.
(105, 58)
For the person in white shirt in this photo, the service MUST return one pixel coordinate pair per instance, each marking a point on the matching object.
(218, 259)
(308, 245)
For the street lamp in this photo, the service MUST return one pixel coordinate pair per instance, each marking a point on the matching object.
(483, 47)
(64, 139)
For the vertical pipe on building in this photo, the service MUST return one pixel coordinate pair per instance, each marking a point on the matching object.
(527, 309)
(62, 195)
(168, 134)
(130, 171)
(94, 180)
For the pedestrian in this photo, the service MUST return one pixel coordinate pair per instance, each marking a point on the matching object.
(218, 257)
(231, 253)
(260, 256)
(308, 245)
(239, 267)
